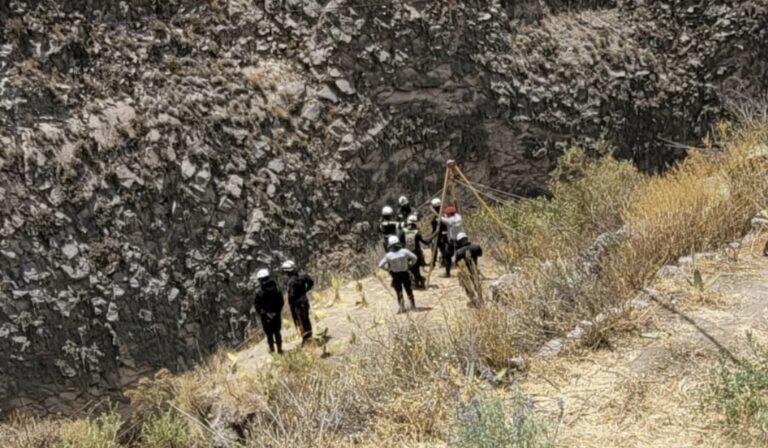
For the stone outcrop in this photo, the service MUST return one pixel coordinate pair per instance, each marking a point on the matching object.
(154, 153)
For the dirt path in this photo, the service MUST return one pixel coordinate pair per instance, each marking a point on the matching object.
(643, 391)
(646, 390)
(346, 316)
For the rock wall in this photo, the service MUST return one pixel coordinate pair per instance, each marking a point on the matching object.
(155, 153)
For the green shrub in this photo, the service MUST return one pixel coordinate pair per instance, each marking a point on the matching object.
(485, 423)
(165, 430)
(99, 432)
(739, 394)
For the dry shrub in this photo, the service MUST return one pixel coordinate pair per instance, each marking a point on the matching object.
(25, 431)
(485, 336)
(588, 196)
(701, 204)
(98, 432)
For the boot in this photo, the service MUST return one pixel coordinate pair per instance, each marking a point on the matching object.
(413, 303)
(400, 304)
(279, 349)
(271, 347)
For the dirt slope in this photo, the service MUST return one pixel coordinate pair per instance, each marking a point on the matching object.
(645, 390)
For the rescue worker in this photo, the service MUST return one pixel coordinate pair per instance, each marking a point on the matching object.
(297, 287)
(269, 305)
(411, 239)
(454, 226)
(388, 226)
(398, 262)
(439, 231)
(405, 210)
(465, 251)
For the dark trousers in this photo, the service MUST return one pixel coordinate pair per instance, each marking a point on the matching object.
(271, 328)
(415, 270)
(450, 250)
(400, 281)
(441, 249)
(300, 315)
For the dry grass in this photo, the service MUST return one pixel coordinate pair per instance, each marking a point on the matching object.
(22, 431)
(702, 203)
(405, 384)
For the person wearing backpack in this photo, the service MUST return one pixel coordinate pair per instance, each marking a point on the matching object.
(411, 239)
(298, 286)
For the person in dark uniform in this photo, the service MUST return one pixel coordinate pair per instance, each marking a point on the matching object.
(269, 306)
(439, 234)
(454, 226)
(398, 262)
(298, 286)
(468, 253)
(411, 239)
(405, 210)
(388, 225)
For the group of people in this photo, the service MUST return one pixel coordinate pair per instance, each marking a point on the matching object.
(404, 244)
(270, 301)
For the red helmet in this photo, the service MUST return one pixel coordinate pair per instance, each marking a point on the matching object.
(450, 211)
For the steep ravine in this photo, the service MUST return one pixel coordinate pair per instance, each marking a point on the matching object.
(154, 154)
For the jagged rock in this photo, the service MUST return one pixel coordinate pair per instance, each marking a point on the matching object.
(327, 94)
(345, 86)
(551, 348)
(517, 363)
(670, 272)
(159, 149)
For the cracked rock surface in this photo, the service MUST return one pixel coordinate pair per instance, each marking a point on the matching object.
(155, 153)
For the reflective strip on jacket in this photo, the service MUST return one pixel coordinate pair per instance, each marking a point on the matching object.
(455, 226)
(398, 261)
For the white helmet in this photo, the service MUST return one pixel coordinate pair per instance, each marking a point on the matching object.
(461, 236)
(392, 241)
(289, 266)
(262, 274)
(436, 202)
(413, 219)
(387, 211)
(403, 200)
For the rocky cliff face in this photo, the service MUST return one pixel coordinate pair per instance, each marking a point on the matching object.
(154, 153)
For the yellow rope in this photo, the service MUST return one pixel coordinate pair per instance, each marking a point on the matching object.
(502, 226)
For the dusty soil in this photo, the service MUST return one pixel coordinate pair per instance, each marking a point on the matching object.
(646, 390)
(643, 390)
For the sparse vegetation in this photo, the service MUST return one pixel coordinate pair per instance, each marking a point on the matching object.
(165, 430)
(98, 432)
(486, 422)
(738, 393)
(402, 383)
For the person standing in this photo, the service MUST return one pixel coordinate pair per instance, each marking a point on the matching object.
(439, 234)
(398, 262)
(269, 306)
(405, 210)
(388, 226)
(411, 239)
(454, 226)
(298, 286)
